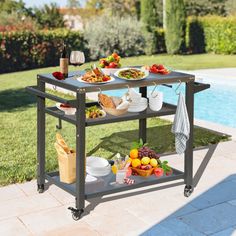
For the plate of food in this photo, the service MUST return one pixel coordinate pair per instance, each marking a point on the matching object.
(69, 110)
(157, 69)
(95, 76)
(131, 74)
(94, 112)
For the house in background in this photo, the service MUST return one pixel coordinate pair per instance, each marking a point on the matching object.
(75, 18)
(72, 18)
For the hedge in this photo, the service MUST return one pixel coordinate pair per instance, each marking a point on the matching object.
(212, 34)
(27, 50)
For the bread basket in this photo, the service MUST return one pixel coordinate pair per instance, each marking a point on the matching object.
(143, 173)
(114, 111)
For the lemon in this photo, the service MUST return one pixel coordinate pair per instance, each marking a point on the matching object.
(153, 162)
(145, 160)
(136, 162)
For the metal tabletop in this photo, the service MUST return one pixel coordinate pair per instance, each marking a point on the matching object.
(76, 86)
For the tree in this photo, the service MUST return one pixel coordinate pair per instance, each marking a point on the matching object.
(49, 16)
(118, 7)
(73, 3)
(175, 26)
(206, 7)
(12, 6)
(149, 17)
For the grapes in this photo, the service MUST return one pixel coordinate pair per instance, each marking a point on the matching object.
(147, 152)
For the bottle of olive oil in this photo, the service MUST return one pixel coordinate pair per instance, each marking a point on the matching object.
(64, 62)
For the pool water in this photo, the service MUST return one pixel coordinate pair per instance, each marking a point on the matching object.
(216, 104)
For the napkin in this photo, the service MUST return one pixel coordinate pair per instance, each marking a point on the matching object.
(181, 126)
(58, 75)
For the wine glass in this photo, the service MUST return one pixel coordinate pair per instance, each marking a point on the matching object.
(77, 58)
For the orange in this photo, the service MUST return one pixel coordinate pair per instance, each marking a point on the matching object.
(136, 163)
(133, 153)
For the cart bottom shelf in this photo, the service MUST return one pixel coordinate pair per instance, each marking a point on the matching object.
(106, 185)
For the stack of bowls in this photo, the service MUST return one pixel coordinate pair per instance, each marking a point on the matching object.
(97, 166)
(138, 103)
(155, 100)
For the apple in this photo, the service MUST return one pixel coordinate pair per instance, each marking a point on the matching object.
(113, 65)
(158, 172)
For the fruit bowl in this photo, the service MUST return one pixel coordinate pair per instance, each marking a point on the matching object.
(143, 173)
(109, 71)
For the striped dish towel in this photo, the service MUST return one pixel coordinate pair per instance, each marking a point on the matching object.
(181, 127)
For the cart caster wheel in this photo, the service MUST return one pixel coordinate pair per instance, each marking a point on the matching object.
(188, 190)
(76, 213)
(40, 188)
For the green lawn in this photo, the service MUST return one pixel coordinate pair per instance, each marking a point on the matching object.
(18, 121)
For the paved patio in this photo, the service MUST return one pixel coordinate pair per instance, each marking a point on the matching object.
(210, 210)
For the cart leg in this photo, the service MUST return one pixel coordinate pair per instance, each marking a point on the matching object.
(80, 158)
(143, 122)
(59, 126)
(188, 157)
(41, 138)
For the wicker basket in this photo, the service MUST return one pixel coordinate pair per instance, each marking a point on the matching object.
(67, 164)
(113, 111)
(143, 173)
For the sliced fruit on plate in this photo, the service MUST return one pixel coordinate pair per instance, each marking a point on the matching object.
(157, 69)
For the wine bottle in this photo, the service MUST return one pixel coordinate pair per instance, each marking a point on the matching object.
(64, 62)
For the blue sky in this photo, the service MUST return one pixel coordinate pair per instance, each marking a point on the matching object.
(38, 3)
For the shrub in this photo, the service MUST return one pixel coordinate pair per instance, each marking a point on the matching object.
(217, 34)
(26, 50)
(175, 26)
(13, 22)
(105, 34)
(195, 38)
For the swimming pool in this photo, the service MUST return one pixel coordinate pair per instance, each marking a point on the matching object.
(216, 104)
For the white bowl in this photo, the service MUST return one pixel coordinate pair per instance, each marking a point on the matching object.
(96, 162)
(137, 108)
(97, 166)
(109, 71)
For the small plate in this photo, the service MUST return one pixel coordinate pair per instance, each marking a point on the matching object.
(104, 82)
(68, 111)
(103, 115)
(146, 72)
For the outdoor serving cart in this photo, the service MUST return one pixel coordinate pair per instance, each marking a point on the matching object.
(80, 189)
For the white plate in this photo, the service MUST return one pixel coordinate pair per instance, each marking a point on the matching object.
(104, 82)
(68, 111)
(146, 72)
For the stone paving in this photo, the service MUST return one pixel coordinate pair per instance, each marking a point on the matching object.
(210, 210)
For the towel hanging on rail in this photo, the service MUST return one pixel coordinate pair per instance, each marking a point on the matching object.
(181, 126)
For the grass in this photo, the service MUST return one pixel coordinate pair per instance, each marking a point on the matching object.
(18, 122)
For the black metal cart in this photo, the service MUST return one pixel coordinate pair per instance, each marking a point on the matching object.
(79, 189)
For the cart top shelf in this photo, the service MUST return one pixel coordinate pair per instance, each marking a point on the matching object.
(76, 86)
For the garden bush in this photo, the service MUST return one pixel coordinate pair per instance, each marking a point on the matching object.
(214, 33)
(25, 50)
(106, 34)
